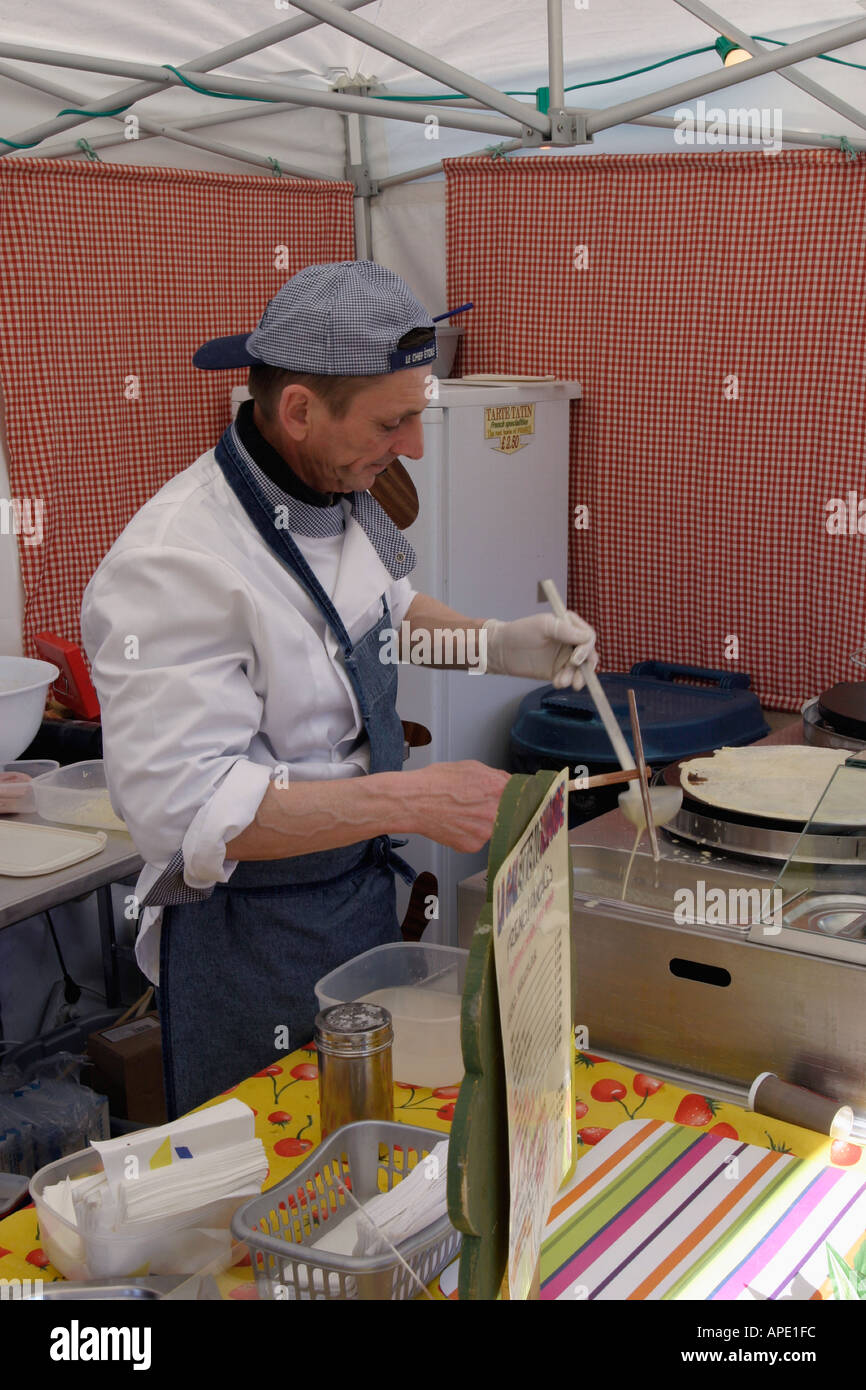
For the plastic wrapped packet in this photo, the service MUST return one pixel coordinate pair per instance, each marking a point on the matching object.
(50, 1110)
(16, 1142)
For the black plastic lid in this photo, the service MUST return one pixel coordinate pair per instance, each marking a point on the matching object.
(676, 720)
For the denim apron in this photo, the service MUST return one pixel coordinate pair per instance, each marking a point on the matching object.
(237, 970)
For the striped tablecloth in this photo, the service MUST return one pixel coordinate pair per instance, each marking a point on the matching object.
(658, 1211)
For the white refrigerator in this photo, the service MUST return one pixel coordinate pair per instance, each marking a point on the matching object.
(493, 520)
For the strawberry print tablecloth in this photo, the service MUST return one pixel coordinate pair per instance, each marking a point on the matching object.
(284, 1100)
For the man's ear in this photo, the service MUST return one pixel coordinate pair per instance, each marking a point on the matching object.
(294, 412)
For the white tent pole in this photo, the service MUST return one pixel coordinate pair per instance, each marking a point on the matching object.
(368, 106)
(555, 77)
(199, 142)
(229, 53)
(357, 172)
(625, 111)
(237, 113)
(427, 169)
(98, 142)
(150, 127)
(788, 137)
(62, 149)
(416, 58)
(118, 138)
(276, 91)
(799, 79)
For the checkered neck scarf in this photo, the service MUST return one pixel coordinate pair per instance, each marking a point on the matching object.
(303, 519)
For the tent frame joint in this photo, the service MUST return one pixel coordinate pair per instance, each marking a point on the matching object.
(568, 127)
(529, 136)
(365, 185)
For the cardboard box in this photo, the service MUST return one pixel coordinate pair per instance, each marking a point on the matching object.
(127, 1067)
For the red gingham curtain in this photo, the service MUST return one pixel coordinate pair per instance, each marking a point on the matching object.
(110, 272)
(708, 513)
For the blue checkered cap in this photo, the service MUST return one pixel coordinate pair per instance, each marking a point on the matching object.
(343, 318)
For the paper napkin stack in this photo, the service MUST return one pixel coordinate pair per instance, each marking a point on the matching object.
(166, 1195)
(413, 1204)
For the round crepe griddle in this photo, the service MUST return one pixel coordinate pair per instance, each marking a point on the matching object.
(693, 801)
(843, 707)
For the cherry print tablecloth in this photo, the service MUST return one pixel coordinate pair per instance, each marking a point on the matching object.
(284, 1100)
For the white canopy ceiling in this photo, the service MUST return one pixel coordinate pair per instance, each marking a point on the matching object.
(503, 43)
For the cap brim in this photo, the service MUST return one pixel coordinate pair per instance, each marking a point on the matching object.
(221, 353)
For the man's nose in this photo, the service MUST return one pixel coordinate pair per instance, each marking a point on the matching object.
(410, 438)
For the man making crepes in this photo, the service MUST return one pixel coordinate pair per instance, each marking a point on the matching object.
(250, 731)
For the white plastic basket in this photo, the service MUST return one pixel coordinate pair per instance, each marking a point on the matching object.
(281, 1226)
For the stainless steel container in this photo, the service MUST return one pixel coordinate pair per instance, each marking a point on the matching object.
(709, 1006)
(355, 1072)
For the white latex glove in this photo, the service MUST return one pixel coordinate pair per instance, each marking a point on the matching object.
(542, 648)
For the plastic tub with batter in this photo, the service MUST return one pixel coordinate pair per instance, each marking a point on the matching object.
(422, 988)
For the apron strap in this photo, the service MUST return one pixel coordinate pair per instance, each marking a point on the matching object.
(385, 855)
(238, 478)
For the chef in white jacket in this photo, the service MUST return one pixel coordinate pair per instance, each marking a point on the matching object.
(236, 631)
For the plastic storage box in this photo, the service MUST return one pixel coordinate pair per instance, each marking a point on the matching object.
(76, 795)
(16, 784)
(422, 988)
(173, 1246)
(683, 711)
(78, 1256)
(282, 1226)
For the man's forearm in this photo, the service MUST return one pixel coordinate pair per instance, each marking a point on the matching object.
(308, 816)
(429, 645)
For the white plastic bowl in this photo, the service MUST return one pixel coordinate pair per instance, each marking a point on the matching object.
(77, 795)
(24, 686)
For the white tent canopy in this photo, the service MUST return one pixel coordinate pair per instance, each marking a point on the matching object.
(505, 46)
(53, 56)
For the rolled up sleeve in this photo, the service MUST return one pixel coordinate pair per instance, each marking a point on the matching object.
(400, 600)
(171, 636)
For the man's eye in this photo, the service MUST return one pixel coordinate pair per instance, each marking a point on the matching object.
(392, 427)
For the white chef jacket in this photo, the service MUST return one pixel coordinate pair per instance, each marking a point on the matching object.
(215, 670)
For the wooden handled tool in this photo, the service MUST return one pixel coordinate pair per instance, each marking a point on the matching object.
(603, 779)
(642, 775)
(664, 802)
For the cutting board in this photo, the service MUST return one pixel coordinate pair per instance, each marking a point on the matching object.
(28, 850)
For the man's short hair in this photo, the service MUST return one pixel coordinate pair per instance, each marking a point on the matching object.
(266, 384)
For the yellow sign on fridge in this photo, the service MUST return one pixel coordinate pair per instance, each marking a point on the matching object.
(509, 426)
